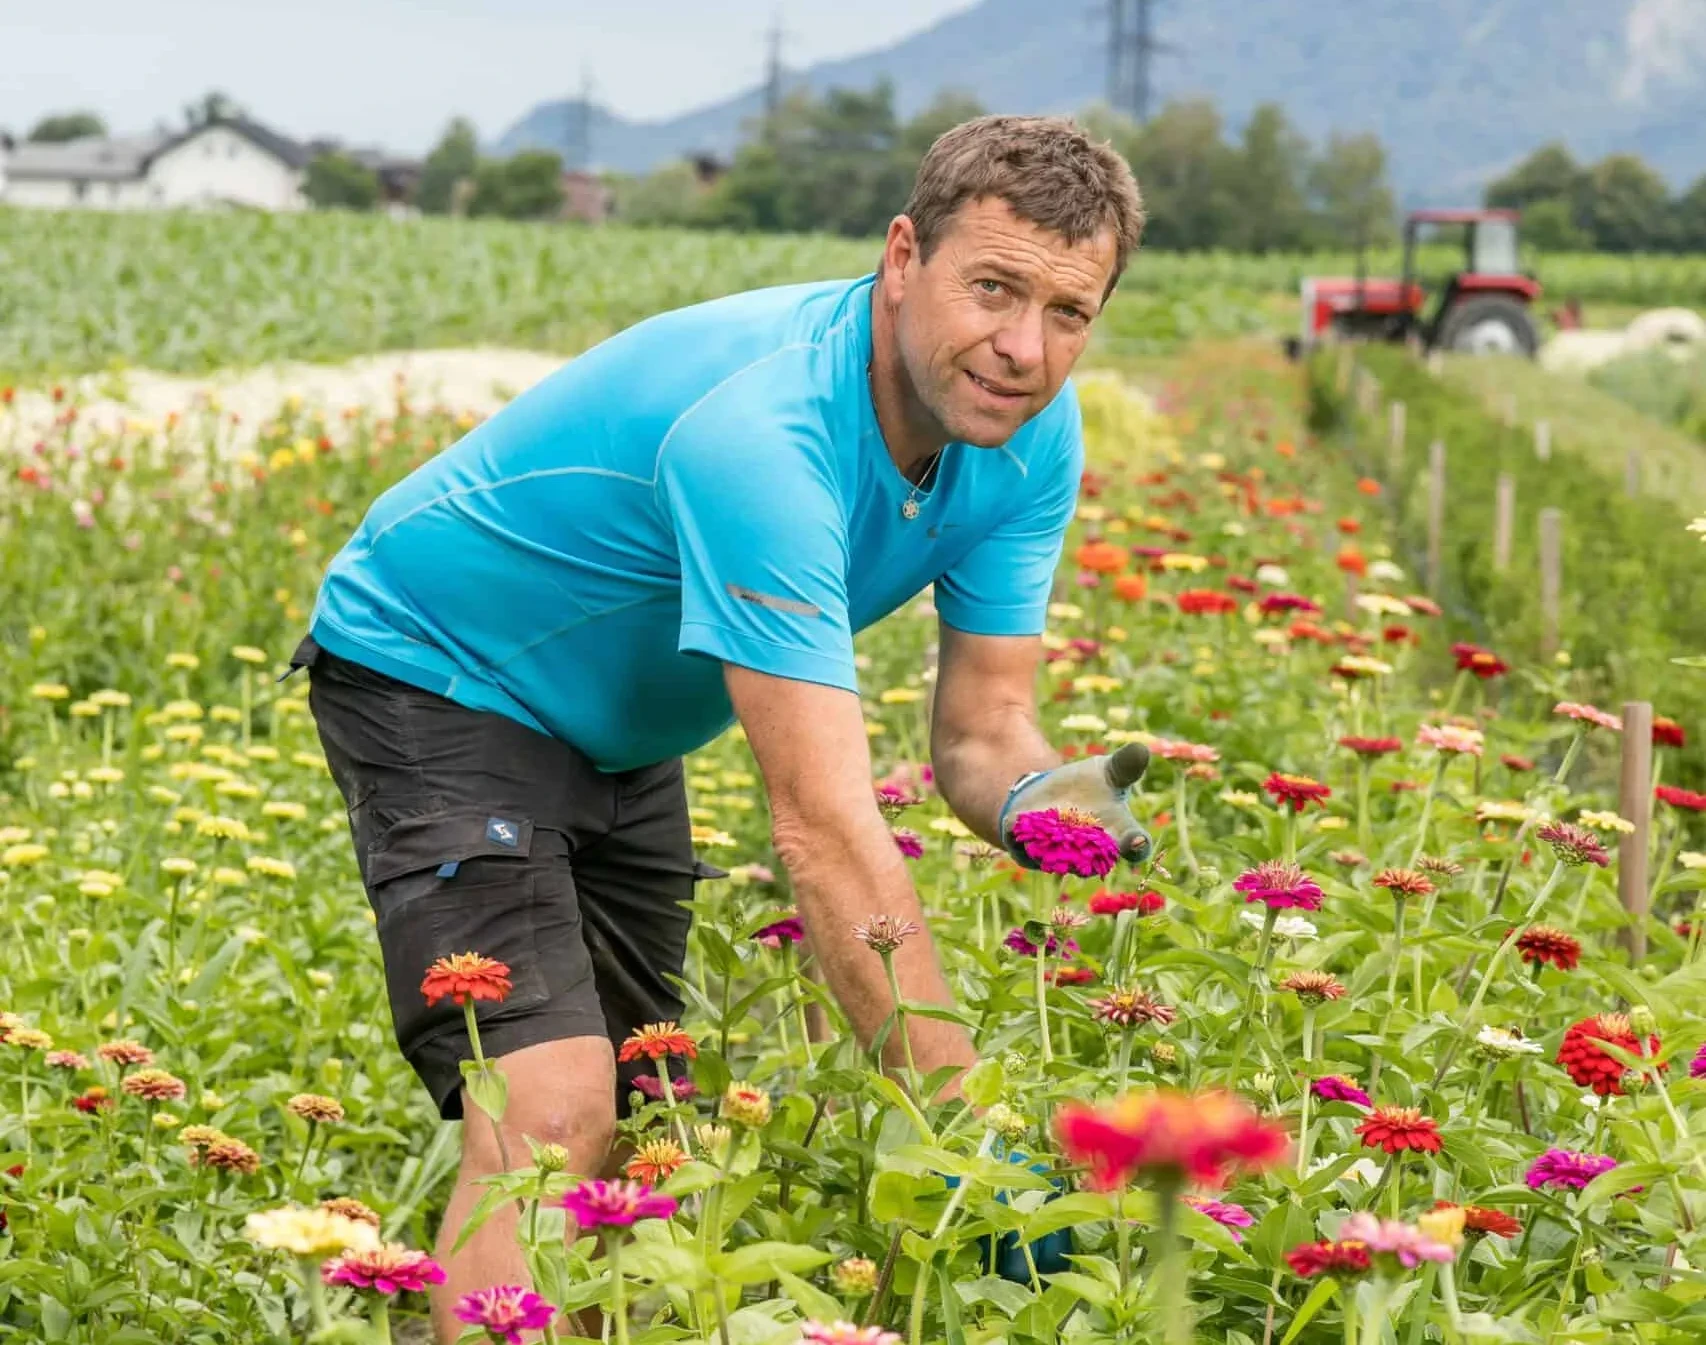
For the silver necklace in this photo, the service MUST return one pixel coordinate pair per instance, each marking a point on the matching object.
(909, 508)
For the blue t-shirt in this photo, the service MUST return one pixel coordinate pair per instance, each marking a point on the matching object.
(709, 485)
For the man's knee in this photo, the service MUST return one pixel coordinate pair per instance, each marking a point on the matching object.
(560, 1092)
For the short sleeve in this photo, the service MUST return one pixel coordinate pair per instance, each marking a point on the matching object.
(1002, 585)
(762, 539)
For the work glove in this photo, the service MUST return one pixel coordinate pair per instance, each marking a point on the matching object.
(1094, 785)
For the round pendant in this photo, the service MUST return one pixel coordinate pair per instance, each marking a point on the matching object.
(909, 509)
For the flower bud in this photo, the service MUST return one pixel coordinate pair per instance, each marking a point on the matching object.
(1163, 1052)
(551, 1158)
(1642, 1020)
(746, 1105)
(856, 1277)
(1011, 1125)
(1264, 1082)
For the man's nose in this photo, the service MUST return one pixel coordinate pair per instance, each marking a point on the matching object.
(1020, 342)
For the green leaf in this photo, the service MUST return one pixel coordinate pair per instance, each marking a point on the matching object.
(1007, 1298)
(953, 1330)
(711, 1073)
(1318, 1298)
(137, 967)
(486, 1206)
(216, 971)
(897, 1095)
(1083, 1207)
(488, 1088)
(760, 1261)
(810, 1299)
(1084, 1287)
(1618, 1180)
(970, 1167)
(900, 1197)
(984, 1083)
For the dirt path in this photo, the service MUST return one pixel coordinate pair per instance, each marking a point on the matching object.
(478, 380)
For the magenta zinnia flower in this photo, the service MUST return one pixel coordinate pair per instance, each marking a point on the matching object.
(788, 929)
(1567, 1167)
(1339, 1088)
(505, 1311)
(1017, 941)
(1064, 840)
(1697, 1066)
(909, 842)
(1229, 1217)
(650, 1085)
(600, 1204)
(391, 1269)
(845, 1333)
(1574, 844)
(1280, 885)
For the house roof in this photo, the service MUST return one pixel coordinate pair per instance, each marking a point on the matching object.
(123, 158)
(90, 158)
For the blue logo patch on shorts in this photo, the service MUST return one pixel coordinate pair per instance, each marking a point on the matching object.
(503, 832)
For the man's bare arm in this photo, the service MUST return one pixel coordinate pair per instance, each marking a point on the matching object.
(984, 732)
(812, 750)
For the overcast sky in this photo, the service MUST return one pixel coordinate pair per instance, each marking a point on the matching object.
(392, 72)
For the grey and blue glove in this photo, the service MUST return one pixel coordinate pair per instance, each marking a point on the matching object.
(1097, 786)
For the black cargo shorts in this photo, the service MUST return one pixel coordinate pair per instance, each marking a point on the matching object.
(475, 834)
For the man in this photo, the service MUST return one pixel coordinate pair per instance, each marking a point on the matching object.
(682, 528)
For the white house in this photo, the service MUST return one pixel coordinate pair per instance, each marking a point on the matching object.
(225, 163)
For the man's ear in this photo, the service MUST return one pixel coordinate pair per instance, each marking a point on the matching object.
(900, 249)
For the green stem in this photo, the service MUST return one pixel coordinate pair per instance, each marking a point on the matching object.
(1397, 953)
(920, 1293)
(1456, 693)
(1042, 1005)
(1122, 1234)
(1665, 863)
(1365, 840)
(1427, 811)
(912, 1081)
(1418, 1306)
(316, 1292)
(1181, 818)
(618, 1294)
(1373, 1326)
(1263, 951)
(302, 1164)
(1308, 1079)
(668, 1095)
(1122, 1067)
(1170, 1270)
(381, 1319)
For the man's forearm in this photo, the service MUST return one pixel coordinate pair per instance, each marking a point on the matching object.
(975, 768)
(843, 875)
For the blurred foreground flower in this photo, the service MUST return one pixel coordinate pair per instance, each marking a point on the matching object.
(313, 1233)
(1169, 1138)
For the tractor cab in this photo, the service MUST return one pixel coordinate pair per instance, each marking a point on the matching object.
(1481, 301)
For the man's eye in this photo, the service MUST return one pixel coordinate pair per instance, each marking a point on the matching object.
(990, 286)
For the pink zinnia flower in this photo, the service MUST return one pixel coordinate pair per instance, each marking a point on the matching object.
(1339, 1088)
(650, 1085)
(1172, 749)
(1588, 714)
(1391, 1237)
(1229, 1217)
(1574, 844)
(1697, 1066)
(1280, 885)
(1567, 1167)
(505, 1311)
(788, 929)
(1063, 840)
(391, 1269)
(845, 1333)
(599, 1204)
(1289, 602)
(1017, 941)
(1450, 738)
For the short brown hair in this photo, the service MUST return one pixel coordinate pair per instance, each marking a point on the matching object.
(1046, 168)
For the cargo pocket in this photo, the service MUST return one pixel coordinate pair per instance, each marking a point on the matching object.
(450, 882)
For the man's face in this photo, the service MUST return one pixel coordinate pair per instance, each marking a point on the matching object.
(992, 324)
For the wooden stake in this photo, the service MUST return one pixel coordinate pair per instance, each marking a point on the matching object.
(1436, 513)
(1551, 575)
(1635, 804)
(1395, 441)
(1504, 519)
(1543, 440)
(1632, 473)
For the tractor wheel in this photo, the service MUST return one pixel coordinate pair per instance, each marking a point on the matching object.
(1488, 324)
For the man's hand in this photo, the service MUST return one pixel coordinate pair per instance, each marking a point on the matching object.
(1094, 785)
(812, 750)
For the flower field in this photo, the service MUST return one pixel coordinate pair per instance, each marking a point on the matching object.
(1359, 1055)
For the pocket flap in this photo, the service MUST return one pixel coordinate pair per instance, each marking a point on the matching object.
(431, 840)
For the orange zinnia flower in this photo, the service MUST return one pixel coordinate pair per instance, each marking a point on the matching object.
(657, 1040)
(1174, 1137)
(1368, 486)
(1131, 588)
(1351, 561)
(466, 976)
(1102, 557)
(655, 1162)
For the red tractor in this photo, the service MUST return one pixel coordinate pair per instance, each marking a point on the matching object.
(1482, 309)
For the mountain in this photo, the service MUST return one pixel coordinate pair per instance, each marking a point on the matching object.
(1458, 90)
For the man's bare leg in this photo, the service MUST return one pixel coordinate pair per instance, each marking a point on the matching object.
(560, 1092)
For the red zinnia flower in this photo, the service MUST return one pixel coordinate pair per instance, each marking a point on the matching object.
(1422, 606)
(466, 976)
(1540, 944)
(1668, 733)
(1480, 1219)
(1474, 659)
(1112, 903)
(1288, 602)
(1338, 1259)
(1396, 634)
(1681, 798)
(1372, 747)
(1206, 602)
(1299, 791)
(1396, 1129)
(657, 1040)
(1199, 1138)
(1591, 1067)
(1403, 882)
(1512, 762)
